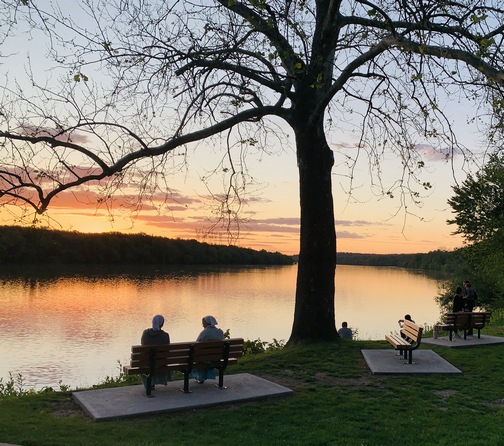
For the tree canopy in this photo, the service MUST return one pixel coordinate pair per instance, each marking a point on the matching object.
(136, 87)
(478, 203)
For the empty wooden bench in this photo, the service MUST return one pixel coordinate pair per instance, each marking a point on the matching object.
(407, 340)
(464, 321)
(151, 360)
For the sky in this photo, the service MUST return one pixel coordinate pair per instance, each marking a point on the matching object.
(365, 220)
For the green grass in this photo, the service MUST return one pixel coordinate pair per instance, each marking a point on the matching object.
(336, 401)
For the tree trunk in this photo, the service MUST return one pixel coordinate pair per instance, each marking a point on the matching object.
(314, 315)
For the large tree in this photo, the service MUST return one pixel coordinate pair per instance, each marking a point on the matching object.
(147, 80)
(478, 203)
(478, 207)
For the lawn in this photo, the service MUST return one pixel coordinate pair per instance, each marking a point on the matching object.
(336, 401)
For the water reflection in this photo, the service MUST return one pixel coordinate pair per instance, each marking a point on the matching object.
(76, 325)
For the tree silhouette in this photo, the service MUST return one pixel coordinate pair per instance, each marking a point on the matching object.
(142, 82)
(478, 203)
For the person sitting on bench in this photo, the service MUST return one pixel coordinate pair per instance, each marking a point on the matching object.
(210, 333)
(156, 336)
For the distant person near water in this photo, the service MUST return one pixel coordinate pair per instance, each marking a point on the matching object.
(345, 332)
(210, 333)
(156, 336)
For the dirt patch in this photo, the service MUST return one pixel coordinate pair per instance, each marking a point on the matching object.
(66, 408)
(445, 393)
(288, 380)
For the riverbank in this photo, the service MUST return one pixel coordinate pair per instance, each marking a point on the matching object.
(336, 401)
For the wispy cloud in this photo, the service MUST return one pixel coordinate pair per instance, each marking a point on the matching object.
(351, 235)
(430, 153)
(74, 137)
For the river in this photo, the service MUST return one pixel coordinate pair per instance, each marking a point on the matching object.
(76, 327)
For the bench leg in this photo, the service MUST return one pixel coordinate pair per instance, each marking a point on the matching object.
(221, 379)
(410, 357)
(148, 390)
(186, 383)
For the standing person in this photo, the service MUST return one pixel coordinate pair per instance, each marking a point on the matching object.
(155, 336)
(458, 300)
(470, 296)
(345, 332)
(210, 333)
(458, 304)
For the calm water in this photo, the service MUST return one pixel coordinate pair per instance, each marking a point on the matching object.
(76, 328)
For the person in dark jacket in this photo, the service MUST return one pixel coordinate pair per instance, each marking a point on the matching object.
(156, 336)
(469, 296)
(458, 304)
(458, 300)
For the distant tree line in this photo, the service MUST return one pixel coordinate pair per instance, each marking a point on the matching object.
(438, 260)
(21, 245)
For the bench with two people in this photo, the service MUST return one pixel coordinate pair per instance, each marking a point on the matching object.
(151, 361)
(466, 322)
(156, 358)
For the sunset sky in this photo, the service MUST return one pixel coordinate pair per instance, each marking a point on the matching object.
(366, 221)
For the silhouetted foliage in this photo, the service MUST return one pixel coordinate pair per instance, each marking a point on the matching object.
(478, 204)
(434, 260)
(20, 245)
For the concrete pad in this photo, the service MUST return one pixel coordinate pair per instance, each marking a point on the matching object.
(425, 362)
(130, 401)
(471, 341)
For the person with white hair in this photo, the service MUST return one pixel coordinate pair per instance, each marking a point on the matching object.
(210, 333)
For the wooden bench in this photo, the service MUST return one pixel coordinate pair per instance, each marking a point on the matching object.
(479, 320)
(151, 360)
(407, 340)
(464, 321)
